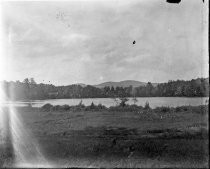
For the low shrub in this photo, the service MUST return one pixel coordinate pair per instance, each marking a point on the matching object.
(57, 108)
(123, 101)
(203, 109)
(101, 107)
(47, 107)
(147, 107)
(94, 107)
(77, 108)
(132, 108)
(123, 108)
(182, 108)
(162, 109)
(195, 109)
(65, 107)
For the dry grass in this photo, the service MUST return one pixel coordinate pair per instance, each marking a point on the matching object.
(155, 138)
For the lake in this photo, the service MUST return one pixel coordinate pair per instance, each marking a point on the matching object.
(153, 101)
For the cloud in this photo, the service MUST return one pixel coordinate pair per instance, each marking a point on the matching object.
(92, 41)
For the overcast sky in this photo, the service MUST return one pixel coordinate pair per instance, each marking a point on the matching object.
(92, 42)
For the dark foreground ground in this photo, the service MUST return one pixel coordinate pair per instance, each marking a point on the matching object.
(161, 137)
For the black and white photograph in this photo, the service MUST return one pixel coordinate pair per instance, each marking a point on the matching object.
(104, 84)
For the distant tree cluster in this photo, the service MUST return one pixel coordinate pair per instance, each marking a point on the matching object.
(194, 88)
(29, 89)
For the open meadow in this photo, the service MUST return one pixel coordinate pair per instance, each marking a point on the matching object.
(129, 136)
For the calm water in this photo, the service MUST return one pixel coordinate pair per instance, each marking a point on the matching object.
(153, 101)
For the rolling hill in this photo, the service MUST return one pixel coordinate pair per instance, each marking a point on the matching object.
(125, 83)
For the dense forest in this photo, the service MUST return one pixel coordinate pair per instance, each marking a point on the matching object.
(29, 89)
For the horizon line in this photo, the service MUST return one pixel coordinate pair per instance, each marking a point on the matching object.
(104, 81)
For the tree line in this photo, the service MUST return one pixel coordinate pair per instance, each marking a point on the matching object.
(29, 90)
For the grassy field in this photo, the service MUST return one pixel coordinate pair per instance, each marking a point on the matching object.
(161, 137)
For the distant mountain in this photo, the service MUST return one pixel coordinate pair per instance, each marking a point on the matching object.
(81, 84)
(125, 83)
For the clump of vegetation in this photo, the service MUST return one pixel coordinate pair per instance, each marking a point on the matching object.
(47, 107)
(147, 107)
(162, 109)
(94, 107)
(129, 108)
(57, 108)
(101, 107)
(182, 108)
(65, 107)
(196, 109)
(202, 109)
(81, 104)
(78, 107)
(91, 107)
(125, 107)
(123, 101)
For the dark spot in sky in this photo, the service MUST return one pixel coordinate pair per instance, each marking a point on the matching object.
(203, 1)
(134, 42)
(173, 1)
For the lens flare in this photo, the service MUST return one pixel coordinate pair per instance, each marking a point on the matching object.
(16, 142)
(26, 149)
(2, 120)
